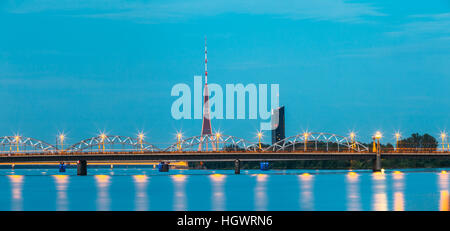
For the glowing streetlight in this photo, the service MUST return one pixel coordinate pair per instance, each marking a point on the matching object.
(397, 138)
(217, 140)
(17, 140)
(376, 145)
(378, 135)
(141, 139)
(102, 139)
(306, 140)
(179, 135)
(259, 139)
(352, 138)
(352, 135)
(443, 136)
(61, 140)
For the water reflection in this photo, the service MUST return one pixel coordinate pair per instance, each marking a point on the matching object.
(444, 202)
(103, 200)
(353, 197)
(379, 202)
(218, 195)
(61, 182)
(17, 186)
(306, 187)
(141, 199)
(180, 192)
(399, 187)
(261, 192)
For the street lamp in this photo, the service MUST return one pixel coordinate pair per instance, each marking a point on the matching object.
(217, 140)
(352, 138)
(377, 137)
(17, 139)
(397, 138)
(141, 138)
(443, 136)
(178, 141)
(306, 141)
(259, 139)
(61, 140)
(102, 139)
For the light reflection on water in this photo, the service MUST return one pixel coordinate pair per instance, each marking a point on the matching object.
(444, 201)
(306, 188)
(103, 200)
(261, 192)
(180, 192)
(16, 187)
(353, 197)
(399, 187)
(61, 182)
(141, 189)
(218, 194)
(141, 200)
(379, 200)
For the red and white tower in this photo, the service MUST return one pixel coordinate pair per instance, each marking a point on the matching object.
(206, 126)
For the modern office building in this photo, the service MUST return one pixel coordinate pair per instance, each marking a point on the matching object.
(278, 124)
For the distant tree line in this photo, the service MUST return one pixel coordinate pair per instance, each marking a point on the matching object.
(414, 142)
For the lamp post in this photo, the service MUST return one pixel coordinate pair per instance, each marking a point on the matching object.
(102, 140)
(141, 139)
(17, 139)
(306, 141)
(378, 136)
(443, 136)
(61, 140)
(397, 138)
(377, 147)
(217, 140)
(352, 138)
(179, 141)
(259, 140)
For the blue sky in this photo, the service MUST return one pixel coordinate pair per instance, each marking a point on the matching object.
(86, 66)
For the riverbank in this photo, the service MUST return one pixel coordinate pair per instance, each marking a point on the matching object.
(326, 164)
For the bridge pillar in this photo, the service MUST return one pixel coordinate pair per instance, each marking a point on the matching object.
(237, 167)
(163, 167)
(82, 168)
(377, 164)
(377, 160)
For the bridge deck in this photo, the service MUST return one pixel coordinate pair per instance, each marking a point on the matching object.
(213, 156)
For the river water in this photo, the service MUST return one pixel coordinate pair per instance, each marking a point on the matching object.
(125, 189)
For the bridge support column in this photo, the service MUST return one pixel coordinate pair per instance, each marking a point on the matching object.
(237, 167)
(377, 164)
(82, 168)
(163, 167)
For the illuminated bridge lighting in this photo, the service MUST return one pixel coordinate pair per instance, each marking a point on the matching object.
(305, 141)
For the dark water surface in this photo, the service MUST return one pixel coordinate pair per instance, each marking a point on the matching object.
(147, 189)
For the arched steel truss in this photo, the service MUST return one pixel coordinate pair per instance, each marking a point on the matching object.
(112, 143)
(24, 144)
(318, 141)
(315, 142)
(212, 143)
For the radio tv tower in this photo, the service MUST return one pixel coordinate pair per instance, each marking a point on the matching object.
(206, 125)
